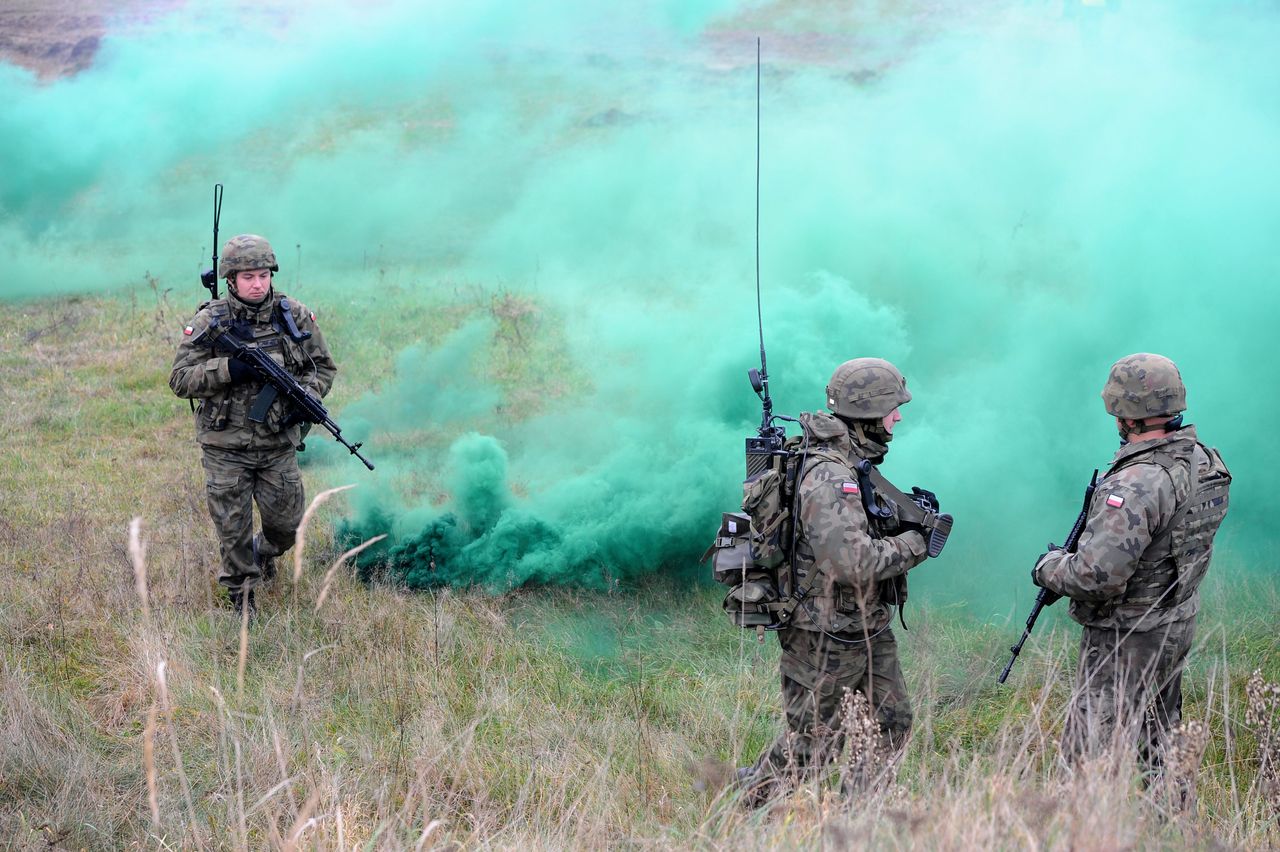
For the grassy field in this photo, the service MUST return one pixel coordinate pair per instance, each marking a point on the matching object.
(352, 717)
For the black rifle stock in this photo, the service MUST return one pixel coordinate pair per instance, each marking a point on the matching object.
(935, 526)
(307, 407)
(1046, 597)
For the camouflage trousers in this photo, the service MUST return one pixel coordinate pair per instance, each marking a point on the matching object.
(818, 671)
(1128, 683)
(234, 481)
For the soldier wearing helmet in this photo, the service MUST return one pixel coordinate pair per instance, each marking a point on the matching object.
(855, 565)
(247, 439)
(1133, 580)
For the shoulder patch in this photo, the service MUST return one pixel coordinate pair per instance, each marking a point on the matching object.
(187, 331)
(1115, 501)
(847, 487)
(313, 316)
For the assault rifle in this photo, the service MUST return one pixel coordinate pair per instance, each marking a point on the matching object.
(919, 509)
(1045, 597)
(307, 407)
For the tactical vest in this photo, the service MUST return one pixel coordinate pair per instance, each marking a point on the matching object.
(1172, 566)
(233, 407)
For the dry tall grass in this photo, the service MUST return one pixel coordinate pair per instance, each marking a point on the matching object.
(137, 711)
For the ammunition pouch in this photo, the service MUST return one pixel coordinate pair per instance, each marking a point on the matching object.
(754, 603)
(214, 413)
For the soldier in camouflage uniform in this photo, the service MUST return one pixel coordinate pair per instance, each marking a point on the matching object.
(839, 639)
(1134, 577)
(247, 461)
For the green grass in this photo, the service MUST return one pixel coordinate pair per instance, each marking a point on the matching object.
(538, 719)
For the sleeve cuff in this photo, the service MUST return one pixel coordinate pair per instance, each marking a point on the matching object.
(221, 370)
(916, 545)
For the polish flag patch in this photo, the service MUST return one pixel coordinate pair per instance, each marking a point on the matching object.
(187, 331)
(849, 487)
(313, 316)
(1115, 501)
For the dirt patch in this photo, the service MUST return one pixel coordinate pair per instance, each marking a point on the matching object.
(58, 38)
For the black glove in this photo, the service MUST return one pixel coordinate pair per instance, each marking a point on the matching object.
(242, 329)
(1035, 571)
(240, 371)
(926, 500)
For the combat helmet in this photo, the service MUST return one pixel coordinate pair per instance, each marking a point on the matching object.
(866, 389)
(1144, 385)
(245, 252)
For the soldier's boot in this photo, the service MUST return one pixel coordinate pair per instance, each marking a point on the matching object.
(242, 599)
(266, 564)
(756, 792)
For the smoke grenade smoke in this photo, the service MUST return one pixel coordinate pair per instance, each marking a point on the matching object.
(554, 212)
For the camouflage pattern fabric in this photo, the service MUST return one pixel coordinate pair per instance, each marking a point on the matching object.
(836, 544)
(1121, 575)
(839, 637)
(234, 481)
(817, 669)
(1128, 681)
(244, 461)
(245, 252)
(1144, 385)
(222, 416)
(866, 389)
(1133, 584)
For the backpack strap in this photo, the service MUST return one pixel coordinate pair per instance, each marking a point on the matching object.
(810, 457)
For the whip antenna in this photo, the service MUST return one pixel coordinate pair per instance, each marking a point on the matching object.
(769, 439)
(210, 277)
(763, 389)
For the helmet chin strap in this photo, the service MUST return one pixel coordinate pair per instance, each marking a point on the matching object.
(868, 431)
(1133, 427)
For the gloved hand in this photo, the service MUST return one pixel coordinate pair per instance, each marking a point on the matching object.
(926, 500)
(240, 371)
(242, 329)
(1035, 569)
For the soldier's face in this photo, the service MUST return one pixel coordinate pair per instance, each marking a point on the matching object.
(890, 419)
(252, 285)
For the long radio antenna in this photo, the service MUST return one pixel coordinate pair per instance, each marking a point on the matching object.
(764, 368)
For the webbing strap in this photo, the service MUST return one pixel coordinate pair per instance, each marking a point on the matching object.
(802, 590)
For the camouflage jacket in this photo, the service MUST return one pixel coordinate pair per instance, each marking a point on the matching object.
(222, 416)
(857, 569)
(1125, 571)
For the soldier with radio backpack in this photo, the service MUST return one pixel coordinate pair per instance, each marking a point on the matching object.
(820, 554)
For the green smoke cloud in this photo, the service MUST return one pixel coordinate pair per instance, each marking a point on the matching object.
(1002, 198)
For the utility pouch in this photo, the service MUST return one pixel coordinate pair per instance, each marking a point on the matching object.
(753, 599)
(754, 603)
(762, 500)
(730, 552)
(215, 412)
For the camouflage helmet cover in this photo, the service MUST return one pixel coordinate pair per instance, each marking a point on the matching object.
(866, 389)
(1144, 385)
(245, 252)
